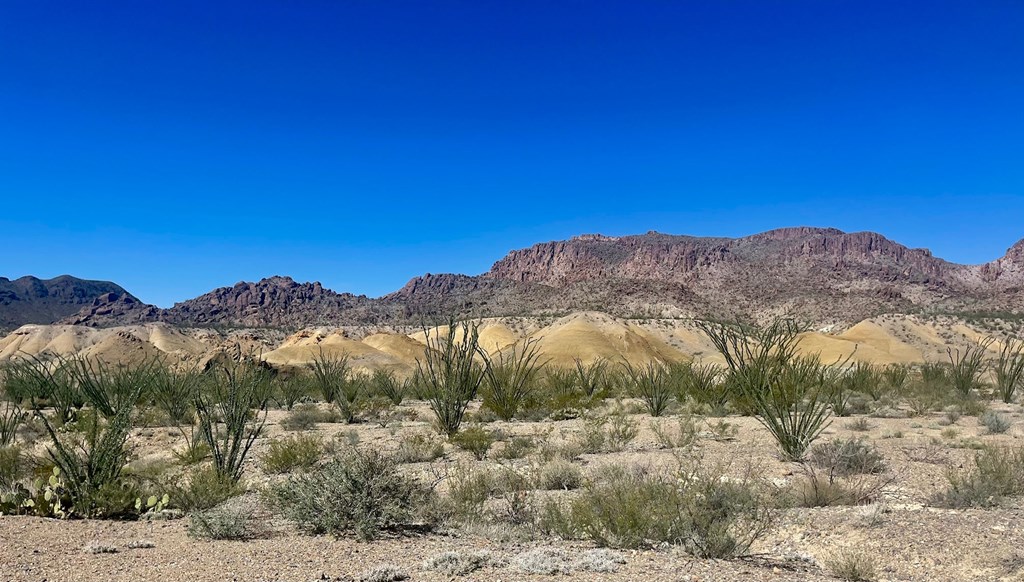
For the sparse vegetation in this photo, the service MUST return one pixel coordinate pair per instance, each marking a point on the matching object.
(451, 374)
(361, 493)
(232, 412)
(653, 386)
(290, 453)
(852, 565)
(509, 381)
(1009, 369)
(996, 473)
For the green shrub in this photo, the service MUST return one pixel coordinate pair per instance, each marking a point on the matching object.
(697, 509)
(860, 425)
(1009, 369)
(702, 384)
(966, 367)
(475, 439)
(653, 385)
(173, 392)
(593, 378)
(516, 447)
(14, 466)
(293, 452)
(419, 448)
(203, 489)
(996, 473)
(360, 493)
(682, 436)
(866, 379)
(896, 376)
(232, 413)
(509, 381)
(11, 418)
(329, 374)
(826, 488)
(789, 394)
(389, 386)
(232, 520)
(994, 422)
(558, 474)
(852, 565)
(607, 434)
(450, 374)
(291, 390)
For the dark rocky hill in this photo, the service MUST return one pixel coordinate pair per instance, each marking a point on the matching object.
(33, 300)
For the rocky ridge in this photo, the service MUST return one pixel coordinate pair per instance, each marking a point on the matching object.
(823, 275)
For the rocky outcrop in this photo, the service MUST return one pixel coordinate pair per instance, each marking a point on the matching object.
(32, 300)
(112, 309)
(270, 302)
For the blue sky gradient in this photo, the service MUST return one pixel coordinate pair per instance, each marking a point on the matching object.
(174, 147)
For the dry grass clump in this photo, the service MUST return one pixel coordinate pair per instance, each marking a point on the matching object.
(994, 422)
(233, 520)
(852, 565)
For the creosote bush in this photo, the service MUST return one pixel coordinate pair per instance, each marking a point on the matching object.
(361, 493)
(475, 439)
(293, 452)
(696, 508)
(996, 473)
(419, 448)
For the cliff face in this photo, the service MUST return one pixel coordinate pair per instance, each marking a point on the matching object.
(32, 300)
(820, 274)
(683, 259)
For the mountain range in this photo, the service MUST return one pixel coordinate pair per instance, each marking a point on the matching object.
(822, 275)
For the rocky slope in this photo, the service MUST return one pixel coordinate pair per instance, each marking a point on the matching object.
(820, 274)
(32, 300)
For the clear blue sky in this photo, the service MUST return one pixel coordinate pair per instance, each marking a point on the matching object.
(174, 147)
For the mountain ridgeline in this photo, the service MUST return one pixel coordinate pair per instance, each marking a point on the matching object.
(818, 274)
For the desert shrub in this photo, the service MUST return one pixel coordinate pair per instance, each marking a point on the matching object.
(558, 474)
(419, 448)
(787, 393)
(509, 380)
(383, 573)
(607, 434)
(475, 439)
(360, 493)
(293, 389)
(172, 392)
(469, 488)
(1009, 369)
(389, 386)
(994, 422)
(859, 425)
(824, 488)
(92, 456)
(232, 413)
(847, 457)
(696, 508)
(516, 447)
(458, 563)
(682, 436)
(11, 418)
(896, 376)
(231, 520)
(292, 452)
(14, 466)
(558, 396)
(852, 565)
(203, 488)
(996, 473)
(330, 373)
(701, 384)
(866, 379)
(652, 384)
(543, 562)
(593, 378)
(450, 374)
(966, 367)
(302, 417)
(46, 383)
